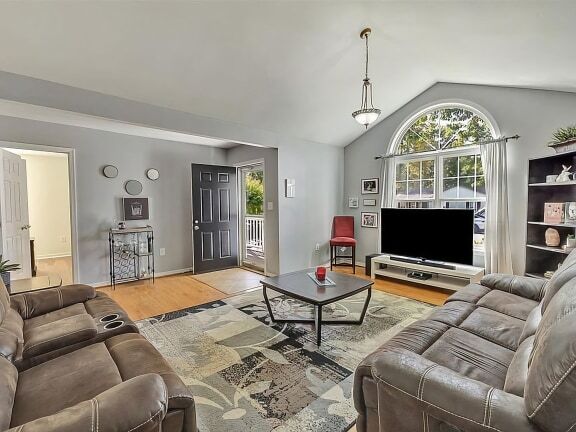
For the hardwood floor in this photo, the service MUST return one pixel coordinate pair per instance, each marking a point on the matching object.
(144, 299)
(170, 293)
(55, 266)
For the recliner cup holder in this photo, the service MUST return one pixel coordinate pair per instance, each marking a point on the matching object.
(113, 325)
(110, 317)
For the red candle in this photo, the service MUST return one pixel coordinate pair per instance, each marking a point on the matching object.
(320, 273)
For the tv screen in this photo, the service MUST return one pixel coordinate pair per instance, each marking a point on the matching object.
(445, 235)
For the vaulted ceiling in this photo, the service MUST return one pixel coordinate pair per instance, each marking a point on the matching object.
(291, 67)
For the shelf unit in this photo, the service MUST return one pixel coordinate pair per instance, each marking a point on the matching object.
(131, 254)
(539, 257)
(448, 279)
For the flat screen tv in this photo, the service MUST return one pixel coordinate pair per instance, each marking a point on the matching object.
(437, 235)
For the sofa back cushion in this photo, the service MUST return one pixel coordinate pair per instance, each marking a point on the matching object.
(8, 380)
(551, 381)
(565, 273)
(4, 301)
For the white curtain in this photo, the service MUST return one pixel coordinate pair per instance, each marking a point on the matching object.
(385, 177)
(497, 237)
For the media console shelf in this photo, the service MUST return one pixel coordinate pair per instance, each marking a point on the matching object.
(449, 279)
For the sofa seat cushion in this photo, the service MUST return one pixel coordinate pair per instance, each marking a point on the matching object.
(58, 334)
(135, 356)
(509, 304)
(494, 326)
(62, 382)
(58, 314)
(471, 356)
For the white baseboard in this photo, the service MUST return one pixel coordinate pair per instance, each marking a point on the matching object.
(158, 274)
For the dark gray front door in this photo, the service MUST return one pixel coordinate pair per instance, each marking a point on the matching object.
(215, 217)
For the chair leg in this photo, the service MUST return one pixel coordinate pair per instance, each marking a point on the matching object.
(354, 259)
(331, 256)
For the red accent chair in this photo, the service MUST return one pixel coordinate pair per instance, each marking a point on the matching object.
(342, 236)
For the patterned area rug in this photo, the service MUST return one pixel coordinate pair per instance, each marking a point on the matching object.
(247, 374)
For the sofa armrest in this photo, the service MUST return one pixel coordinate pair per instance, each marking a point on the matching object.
(32, 304)
(58, 334)
(446, 395)
(527, 287)
(136, 405)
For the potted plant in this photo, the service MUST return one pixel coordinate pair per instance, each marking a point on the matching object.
(564, 139)
(5, 270)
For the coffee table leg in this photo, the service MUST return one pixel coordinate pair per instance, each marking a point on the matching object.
(268, 303)
(318, 324)
(366, 303)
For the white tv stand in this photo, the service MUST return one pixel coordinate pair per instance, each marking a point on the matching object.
(450, 279)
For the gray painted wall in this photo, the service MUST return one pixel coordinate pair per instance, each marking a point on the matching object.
(98, 198)
(304, 221)
(242, 154)
(533, 114)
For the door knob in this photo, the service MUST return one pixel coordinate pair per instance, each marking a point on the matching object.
(196, 227)
(25, 227)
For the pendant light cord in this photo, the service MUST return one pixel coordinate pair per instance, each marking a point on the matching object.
(366, 56)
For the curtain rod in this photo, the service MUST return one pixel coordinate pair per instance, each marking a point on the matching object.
(495, 140)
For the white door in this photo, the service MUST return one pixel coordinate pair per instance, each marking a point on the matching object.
(14, 213)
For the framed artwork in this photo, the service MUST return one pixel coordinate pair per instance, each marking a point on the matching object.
(370, 186)
(135, 208)
(369, 220)
(553, 212)
(369, 202)
(353, 202)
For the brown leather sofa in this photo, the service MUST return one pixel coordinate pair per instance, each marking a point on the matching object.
(41, 325)
(498, 356)
(100, 382)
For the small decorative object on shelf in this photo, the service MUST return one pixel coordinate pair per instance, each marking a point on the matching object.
(552, 237)
(551, 178)
(564, 176)
(131, 254)
(5, 270)
(121, 225)
(564, 139)
(570, 212)
(548, 274)
(570, 243)
(553, 212)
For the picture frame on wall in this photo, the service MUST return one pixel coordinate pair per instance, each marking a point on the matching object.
(369, 219)
(369, 202)
(370, 186)
(353, 202)
(135, 208)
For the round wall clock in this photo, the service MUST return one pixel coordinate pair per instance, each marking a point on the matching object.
(110, 171)
(133, 187)
(153, 174)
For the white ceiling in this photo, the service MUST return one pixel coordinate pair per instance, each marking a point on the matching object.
(289, 67)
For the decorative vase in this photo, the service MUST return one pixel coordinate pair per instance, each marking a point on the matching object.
(571, 243)
(6, 278)
(552, 237)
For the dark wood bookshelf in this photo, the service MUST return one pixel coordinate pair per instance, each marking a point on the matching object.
(539, 257)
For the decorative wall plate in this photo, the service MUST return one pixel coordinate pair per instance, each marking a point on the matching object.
(153, 174)
(110, 171)
(133, 187)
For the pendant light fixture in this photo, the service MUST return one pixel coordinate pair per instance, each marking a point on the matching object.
(367, 114)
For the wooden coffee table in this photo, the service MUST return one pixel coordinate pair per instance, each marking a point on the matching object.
(299, 285)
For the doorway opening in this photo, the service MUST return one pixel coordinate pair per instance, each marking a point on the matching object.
(36, 213)
(252, 217)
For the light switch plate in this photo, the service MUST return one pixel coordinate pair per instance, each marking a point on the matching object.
(270, 205)
(290, 187)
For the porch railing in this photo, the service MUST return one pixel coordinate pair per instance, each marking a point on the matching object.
(254, 231)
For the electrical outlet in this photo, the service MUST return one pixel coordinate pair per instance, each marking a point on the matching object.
(317, 247)
(162, 251)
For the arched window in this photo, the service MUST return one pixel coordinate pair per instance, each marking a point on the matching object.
(438, 163)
